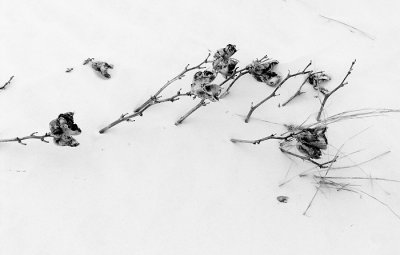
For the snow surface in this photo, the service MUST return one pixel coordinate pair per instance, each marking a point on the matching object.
(149, 187)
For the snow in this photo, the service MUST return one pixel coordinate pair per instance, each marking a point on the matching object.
(150, 187)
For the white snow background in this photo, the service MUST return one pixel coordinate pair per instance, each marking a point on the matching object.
(150, 187)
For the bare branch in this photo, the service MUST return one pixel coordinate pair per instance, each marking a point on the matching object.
(181, 119)
(226, 92)
(299, 92)
(7, 83)
(258, 141)
(320, 165)
(178, 77)
(273, 94)
(326, 96)
(31, 136)
(154, 100)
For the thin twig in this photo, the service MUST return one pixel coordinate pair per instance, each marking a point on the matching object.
(378, 200)
(7, 83)
(181, 119)
(355, 178)
(31, 136)
(313, 169)
(361, 163)
(326, 96)
(258, 141)
(129, 117)
(320, 165)
(299, 92)
(226, 92)
(312, 200)
(178, 77)
(273, 94)
(349, 26)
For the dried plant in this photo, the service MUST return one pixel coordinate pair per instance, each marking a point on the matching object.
(61, 130)
(282, 199)
(318, 78)
(100, 67)
(273, 94)
(310, 141)
(327, 95)
(203, 89)
(201, 86)
(315, 79)
(263, 71)
(157, 98)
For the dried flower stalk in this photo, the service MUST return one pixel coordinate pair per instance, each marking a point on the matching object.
(273, 94)
(326, 96)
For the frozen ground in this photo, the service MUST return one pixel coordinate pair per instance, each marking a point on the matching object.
(150, 187)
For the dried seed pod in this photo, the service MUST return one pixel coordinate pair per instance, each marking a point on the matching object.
(282, 199)
(225, 53)
(262, 71)
(204, 77)
(225, 67)
(63, 128)
(315, 79)
(309, 151)
(269, 78)
(311, 141)
(273, 80)
(102, 68)
(207, 91)
(262, 67)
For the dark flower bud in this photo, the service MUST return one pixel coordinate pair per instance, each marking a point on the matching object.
(262, 71)
(206, 91)
(204, 77)
(102, 68)
(311, 141)
(63, 128)
(225, 53)
(262, 67)
(309, 151)
(225, 67)
(316, 79)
